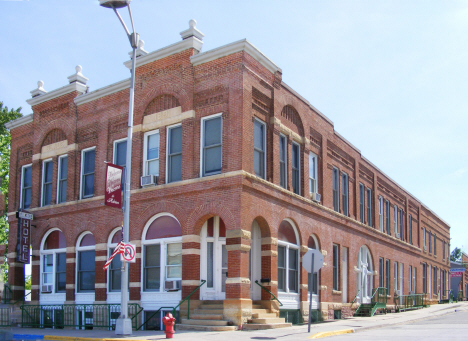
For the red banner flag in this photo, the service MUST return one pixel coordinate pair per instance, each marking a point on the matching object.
(113, 194)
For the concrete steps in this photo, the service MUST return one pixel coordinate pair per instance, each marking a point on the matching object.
(208, 317)
(260, 326)
(264, 319)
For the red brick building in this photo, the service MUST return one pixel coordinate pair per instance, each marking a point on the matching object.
(234, 177)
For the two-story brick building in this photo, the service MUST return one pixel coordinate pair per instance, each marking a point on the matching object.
(234, 177)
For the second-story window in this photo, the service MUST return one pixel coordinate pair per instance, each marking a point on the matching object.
(395, 220)
(369, 207)
(424, 238)
(260, 149)
(174, 153)
(429, 235)
(381, 225)
(87, 173)
(212, 144)
(387, 216)
(344, 193)
(26, 184)
(361, 203)
(283, 147)
(313, 186)
(401, 224)
(410, 229)
(151, 153)
(336, 189)
(120, 153)
(296, 166)
(62, 179)
(336, 268)
(435, 245)
(443, 249)
(47, 167)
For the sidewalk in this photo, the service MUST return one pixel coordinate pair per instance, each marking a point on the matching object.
(354, 324)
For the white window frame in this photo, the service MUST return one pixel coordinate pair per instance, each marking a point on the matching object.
(430, 241)
(345, 193)
(362, 204)
(296, 144)
(43, 181)
(395, 277)
(387, 217)
(54, 253)
(202, 138)
(265, 149)
(424, 238)
(163, 242)
(410, 277)
(83, 151)
(395, 219)
(110, 245)
(287, 247)
(314, 157)
(381, 222)
(22, 183)
(410, 229)
(145, 148)
(77, 260)
(168, 129)
(369, 206)
(336, 189)
(435, 244)
(114, 152)
(59, 169)
(285, 151)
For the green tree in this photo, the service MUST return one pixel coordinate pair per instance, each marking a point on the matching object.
(5, 140)
(456, 255)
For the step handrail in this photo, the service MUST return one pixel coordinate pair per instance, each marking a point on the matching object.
(153, 314)
(356, 296)
(268, 291)
(188, 298)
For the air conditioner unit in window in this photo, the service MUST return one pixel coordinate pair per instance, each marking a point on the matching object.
(47, 288)
(148, 180)
(315, 197)
(397, 235)
(172, 285)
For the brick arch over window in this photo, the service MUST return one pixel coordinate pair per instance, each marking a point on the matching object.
(202, 213)
(290, 117)
(161, 103)
(55, 135)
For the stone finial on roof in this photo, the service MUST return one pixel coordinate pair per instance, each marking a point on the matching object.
(78, 76)
(39, 91)
(192, 31)
(140, 51)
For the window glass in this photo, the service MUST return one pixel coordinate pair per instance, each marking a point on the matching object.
(61, 272)
(55, 240)
(212, 146)
(115, 272)
(152, 267)
(312, 173)
(163, 227)
(47, 183)
(361, 203)
(336, 189)
(62, 179)
(259, 149)
(283, 155)
(86, 270)
(47, 269)
(335, 268)
(209, 262)
(120, 153)
(175, 154)
(296, 162)
(26, 190)
(88, 173)
(293, 270)
(174, 261)
(369, 207)
(281, 268)
(344, 186)
(152, 154)
(387, 216)
(286, 233)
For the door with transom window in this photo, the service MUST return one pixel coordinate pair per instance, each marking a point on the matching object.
(213, 260)
(364, 275)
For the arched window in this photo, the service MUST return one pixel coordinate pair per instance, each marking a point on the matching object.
(85, 258)
(364, 275)
(162, 254)
(53, 263)
(115, 267)
(288, 258)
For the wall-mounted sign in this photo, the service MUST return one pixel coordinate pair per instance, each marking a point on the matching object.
(457, 272)
(24, 236)
(113, 194)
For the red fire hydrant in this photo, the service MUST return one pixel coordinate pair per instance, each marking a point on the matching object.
(169, 322)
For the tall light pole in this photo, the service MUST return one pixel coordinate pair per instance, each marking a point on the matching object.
(124, 324)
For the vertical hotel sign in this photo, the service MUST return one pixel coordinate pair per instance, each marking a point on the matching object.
(24, 228)
(113, 194)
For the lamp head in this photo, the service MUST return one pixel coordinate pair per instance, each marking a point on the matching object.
(114, 3)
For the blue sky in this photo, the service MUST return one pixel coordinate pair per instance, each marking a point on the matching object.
(391, 75)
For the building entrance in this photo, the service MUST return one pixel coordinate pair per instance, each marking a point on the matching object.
(364, 275)
(255, 262)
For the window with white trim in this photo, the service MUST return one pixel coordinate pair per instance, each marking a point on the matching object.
(410, 229)
(336, 189)
(288, 258)
(387, 216)
(395, 220)
(162, 253)
(361, 203)
(174, 153)
(443, 249)
(47, 168)
(424, 278)
(62, 175)
(296, 168)
(381, 272)
(53, 263)
(151, 153)
(283, 157)
(336, 267)
(424, 238)
(313, 183)
(395, 277)
(260, 148)
(86, 261)
(401, 224)
(435, 245)
(87, 172)
(387, 275)
(410, 277)
(120, 152)
(114, 271)
(429, 234)
(212, 144)
(26, 185)
(369, 207)
(381, 224)
(344, 194)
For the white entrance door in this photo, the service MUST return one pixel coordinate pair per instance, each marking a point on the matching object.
(364, 276)
(255, 262)
(213, 261)
(344, 274)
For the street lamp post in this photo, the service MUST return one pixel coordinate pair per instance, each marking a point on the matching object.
(124, 324)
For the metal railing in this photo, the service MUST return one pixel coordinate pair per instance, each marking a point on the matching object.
(379, 296)
(355, 297)
(84, 316)
(268, 291)
(174, 308)
(407, 302)
(7, 294)
(5, 316)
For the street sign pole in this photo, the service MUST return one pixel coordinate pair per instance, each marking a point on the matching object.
(311, 285)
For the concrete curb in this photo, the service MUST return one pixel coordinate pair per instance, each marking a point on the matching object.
(332, 333)
(66, 338)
